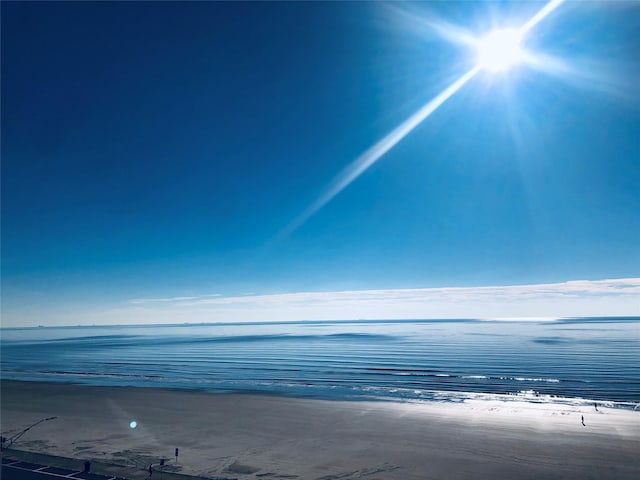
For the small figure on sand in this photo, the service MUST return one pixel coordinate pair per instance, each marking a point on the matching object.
(150, 470)
(595, 404)
(582, 424)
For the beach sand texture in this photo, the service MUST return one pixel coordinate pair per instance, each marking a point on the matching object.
(253, 436)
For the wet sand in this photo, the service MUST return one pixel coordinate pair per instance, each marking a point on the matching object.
(256, 436)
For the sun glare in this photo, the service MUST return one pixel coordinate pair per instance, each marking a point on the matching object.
(499, 50)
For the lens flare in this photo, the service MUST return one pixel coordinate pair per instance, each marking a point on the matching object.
(133, 424)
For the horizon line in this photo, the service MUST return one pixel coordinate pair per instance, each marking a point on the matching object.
(551, 319)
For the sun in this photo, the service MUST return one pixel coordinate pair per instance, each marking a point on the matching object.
(499, 50)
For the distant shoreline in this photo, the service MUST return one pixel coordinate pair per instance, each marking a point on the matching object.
(596, 319)
(230, 434)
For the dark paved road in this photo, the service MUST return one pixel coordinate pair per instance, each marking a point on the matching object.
(14, 470)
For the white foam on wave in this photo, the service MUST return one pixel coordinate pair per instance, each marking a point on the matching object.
(408, 395)
(527, 379)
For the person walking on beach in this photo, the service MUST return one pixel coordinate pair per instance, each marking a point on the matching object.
(596, 405)
(150, 470)
(582, 424)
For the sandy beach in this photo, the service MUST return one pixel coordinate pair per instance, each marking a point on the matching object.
(252, 436)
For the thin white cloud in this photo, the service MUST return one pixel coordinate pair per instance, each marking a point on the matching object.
(577, 298)
(549, 300)
(139, 301)
(574, 288)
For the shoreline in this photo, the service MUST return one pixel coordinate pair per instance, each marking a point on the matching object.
(274, 436)
(438, 396)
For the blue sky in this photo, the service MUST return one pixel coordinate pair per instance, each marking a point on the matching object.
(159, 150)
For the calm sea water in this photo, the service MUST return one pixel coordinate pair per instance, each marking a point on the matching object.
(573, 361)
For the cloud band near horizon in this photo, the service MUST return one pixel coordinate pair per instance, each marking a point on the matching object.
(548, 300)
(576, 298)
(574, 288)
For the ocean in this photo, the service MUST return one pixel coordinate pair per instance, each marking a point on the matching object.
(576, 361)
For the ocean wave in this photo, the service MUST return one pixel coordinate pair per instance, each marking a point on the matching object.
(475, 377)
(336, 363)
(115, 341)
(526, 379)
(62, 373)
(301, 388)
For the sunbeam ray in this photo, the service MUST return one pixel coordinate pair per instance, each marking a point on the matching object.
(373, 154)
(589, 74)
(426, 27)
(538, 17)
